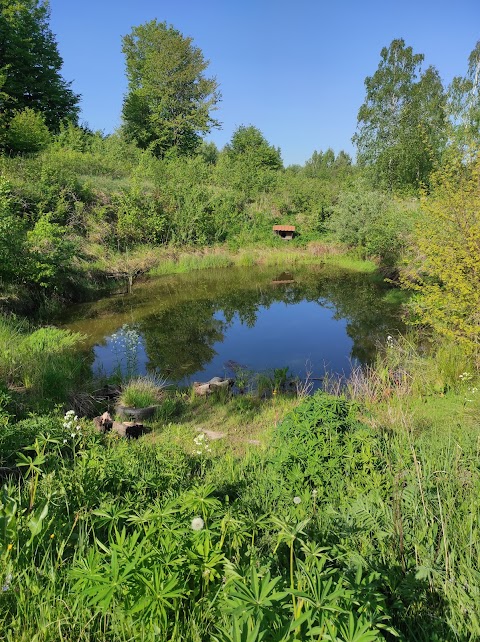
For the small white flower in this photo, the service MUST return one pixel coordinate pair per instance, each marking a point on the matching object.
(8, 581)
(64, 441)
(314, 492)
(197, 524)
(72, 435)
(75, 418)
(297, 500)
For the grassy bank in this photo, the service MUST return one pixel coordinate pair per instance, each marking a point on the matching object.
(313, 253)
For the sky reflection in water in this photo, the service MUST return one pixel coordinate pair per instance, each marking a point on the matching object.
(188, 327)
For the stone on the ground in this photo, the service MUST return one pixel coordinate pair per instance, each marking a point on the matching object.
(129, 429)
(215, 383)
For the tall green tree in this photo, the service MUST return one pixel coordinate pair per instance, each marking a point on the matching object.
(249, 142)
(464, 102)
(249, 164)
(321, 164)
(169, 101)
(401, 129)
(30, 64)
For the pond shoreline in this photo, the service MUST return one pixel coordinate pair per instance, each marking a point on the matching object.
(285, 312)
(118, 273)
(155, 262)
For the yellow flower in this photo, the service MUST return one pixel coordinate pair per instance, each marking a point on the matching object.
(52, 535)
(9, 547)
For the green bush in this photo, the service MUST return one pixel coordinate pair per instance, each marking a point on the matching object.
(12, 234)
(27, 132)
(371, 222)
(50, 254)
(140, 217)
(322, 445)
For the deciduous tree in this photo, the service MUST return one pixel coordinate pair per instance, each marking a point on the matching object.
(464, 102)
(249, 164)
(249, 142)
(402, 123)
(447, 271)
(31, 64)
(169, 101)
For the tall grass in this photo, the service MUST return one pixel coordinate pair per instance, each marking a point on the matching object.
(191, 262)
(221, 257)
(41, 365)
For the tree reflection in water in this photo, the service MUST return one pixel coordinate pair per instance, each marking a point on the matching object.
(184, 320)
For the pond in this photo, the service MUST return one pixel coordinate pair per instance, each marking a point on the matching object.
(192, 327)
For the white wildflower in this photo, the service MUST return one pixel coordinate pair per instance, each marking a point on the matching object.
(297, 500)
(197, 524)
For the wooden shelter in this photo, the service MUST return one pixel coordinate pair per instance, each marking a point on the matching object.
(284, 231)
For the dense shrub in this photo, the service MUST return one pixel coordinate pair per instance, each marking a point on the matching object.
(371, 222)
(27, 132)
(321, 444)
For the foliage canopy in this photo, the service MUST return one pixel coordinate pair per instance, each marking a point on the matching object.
(464, 102)
(169, 100)
(31, 64)
(402, 123)
(447, 276)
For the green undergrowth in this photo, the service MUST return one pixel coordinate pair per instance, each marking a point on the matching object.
(330, 528)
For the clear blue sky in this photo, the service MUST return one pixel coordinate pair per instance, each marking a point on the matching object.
(293, 68)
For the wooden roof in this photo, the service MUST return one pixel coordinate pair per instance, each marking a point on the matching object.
(284, 228)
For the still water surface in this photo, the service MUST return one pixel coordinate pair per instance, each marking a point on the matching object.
(194, 326)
